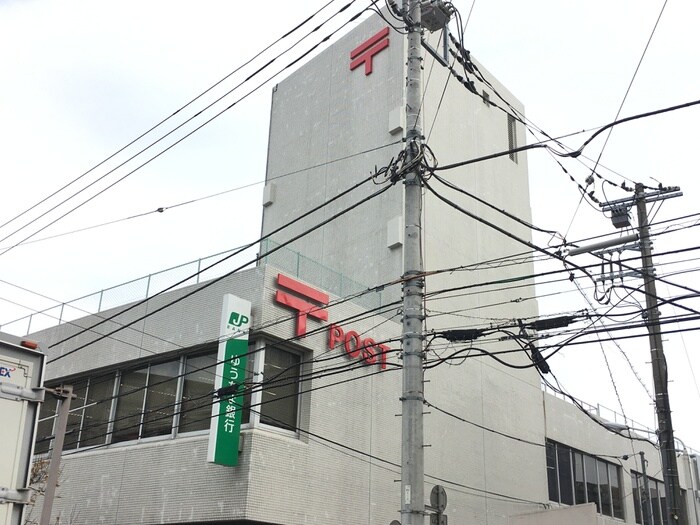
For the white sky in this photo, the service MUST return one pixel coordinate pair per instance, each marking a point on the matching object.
(80, 79)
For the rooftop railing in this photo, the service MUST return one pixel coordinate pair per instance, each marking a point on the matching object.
(194, 272)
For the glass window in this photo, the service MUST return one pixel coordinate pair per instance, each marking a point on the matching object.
(552, 480)
(654, 495)
(662, 502)
(582, 478)
(657, 497)
(132, 391)
(579, 480)
(604, 488)
(98, 405)
(252, 387)
(75, 415)
(44, 432)
(151, 400)
(161, 398)
(565, 478)
(636, 496)
(616, 491)
(197, 397)
(280, 388)
(589, 464)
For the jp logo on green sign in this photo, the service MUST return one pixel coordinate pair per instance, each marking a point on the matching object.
(237, 319)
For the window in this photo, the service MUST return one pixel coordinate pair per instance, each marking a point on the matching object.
(657, 500)
(171, 397)
(278, 405)
(512, 138)
(195, 410)
(75, 415)
(97, 410)
(565, 477)
(274, 396)
(160, 399)
(581, 478)
(44, 431)
(132, 392)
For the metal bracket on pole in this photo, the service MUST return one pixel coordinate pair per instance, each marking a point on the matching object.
(15, 392)
(16, 496)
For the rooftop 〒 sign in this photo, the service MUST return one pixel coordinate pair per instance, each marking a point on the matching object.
(364, 53)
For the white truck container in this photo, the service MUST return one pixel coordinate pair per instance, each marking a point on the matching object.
(21, 381)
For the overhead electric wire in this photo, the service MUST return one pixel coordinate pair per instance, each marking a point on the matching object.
(607, 363)
(170, 416)
(629, 87)
(75, 324)
(259, 257)
(489, 205)
(581, 408)
(575, 153)
(152, 385)
(288, 33)
(521, 117)
(502, 230)
(162, 209)
(482, 427)
(178, 141)
(518, 278)
(270, 345)
(363, 453)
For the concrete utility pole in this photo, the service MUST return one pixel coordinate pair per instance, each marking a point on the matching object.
(658, 364)
(412, 469)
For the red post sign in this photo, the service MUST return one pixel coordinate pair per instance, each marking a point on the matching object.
(355, 346)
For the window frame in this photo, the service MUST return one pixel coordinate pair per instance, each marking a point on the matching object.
(587, 461)
(656, 489)
(259, 348)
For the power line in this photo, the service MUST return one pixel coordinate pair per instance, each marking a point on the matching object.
(217, 279)
(629, 87)
(572, 154)
(162, 209)
(176, 142)
(167, 118)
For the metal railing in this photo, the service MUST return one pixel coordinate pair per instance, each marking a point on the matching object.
(194, 272)
(599, 410)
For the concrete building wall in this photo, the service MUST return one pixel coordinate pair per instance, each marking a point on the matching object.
(283, 477)
(325, 112)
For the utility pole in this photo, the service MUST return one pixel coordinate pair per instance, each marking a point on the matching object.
(659, 369)
(65, 394)
(412, 467)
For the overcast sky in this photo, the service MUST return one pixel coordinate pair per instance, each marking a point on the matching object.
(81, 79)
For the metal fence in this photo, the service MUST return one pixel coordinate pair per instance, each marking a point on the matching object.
(195, 272)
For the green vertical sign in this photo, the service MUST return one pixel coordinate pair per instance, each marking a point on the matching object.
(227, 410)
